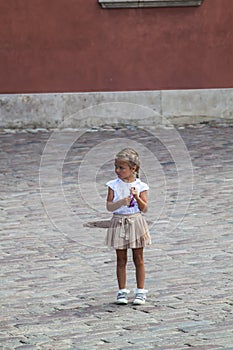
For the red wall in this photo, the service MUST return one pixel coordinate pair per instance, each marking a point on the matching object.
(75, 45)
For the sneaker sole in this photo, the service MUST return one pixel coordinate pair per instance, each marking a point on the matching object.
(139, 302)
(122, 302)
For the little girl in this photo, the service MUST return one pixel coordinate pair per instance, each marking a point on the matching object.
(128, 229)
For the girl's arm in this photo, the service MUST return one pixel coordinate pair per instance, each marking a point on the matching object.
(111, 206)
(141, 199)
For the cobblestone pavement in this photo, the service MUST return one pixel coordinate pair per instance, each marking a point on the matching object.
(58, 284)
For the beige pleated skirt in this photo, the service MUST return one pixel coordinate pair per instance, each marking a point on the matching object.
(128, 231)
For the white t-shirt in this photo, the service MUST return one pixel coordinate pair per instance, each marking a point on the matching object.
(122, 189)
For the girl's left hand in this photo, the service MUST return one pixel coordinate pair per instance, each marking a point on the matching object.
(133, 191)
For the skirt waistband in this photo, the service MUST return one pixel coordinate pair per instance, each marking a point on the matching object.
(126, 215)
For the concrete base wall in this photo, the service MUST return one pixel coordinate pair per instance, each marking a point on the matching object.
(140, 108)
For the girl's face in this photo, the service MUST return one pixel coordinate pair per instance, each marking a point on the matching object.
(124, 171)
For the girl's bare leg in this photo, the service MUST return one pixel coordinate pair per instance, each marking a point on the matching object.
(139, 265)
(121, 267)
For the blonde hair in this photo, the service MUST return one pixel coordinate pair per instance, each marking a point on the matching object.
(130, 156)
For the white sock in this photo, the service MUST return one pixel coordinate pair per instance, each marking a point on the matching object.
(124, 290)
(140, 290)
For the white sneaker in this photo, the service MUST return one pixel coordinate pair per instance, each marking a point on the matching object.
(122, 296)
(139, 296)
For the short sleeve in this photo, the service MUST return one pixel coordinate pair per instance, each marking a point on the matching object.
(143, 187)
(111, 184)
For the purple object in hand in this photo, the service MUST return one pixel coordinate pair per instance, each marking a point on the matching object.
(132, 202)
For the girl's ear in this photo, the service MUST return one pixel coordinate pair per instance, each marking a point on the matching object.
(134, 168)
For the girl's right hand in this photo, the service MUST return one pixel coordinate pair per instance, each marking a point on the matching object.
(126, 201)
